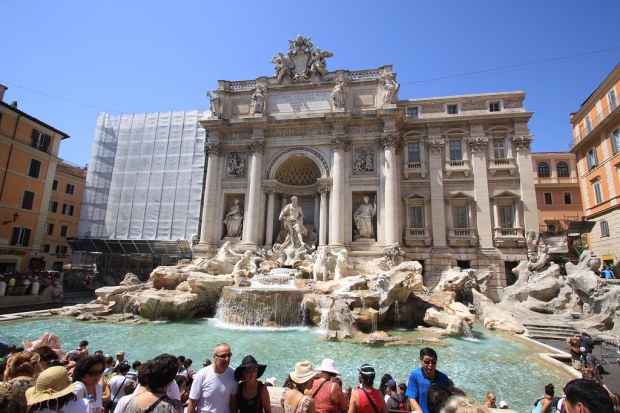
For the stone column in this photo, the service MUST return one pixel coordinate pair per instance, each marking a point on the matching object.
(478, 147)
(526, 178)
(252, 207)
(271, 196)
(208, 225)
(340, 144)
(390, 217)
(435, 168)
(323, 215)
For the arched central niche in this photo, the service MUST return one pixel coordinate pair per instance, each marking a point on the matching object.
(298, 170)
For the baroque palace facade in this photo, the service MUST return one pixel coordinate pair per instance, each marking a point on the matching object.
(447, 179)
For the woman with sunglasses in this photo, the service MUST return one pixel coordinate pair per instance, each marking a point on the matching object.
(252, 395)
(87, 376)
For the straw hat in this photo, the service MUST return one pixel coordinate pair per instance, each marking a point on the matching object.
(303, 372)
(52, 383)
(247, 363)
(328, 366)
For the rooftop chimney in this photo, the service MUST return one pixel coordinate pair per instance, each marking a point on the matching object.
(14, 104)
(2, 90)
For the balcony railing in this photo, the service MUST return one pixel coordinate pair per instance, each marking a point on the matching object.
(460, 235)
(417, 236)
(416, 168)
(460, 165)
(502, 164)
(509, 236)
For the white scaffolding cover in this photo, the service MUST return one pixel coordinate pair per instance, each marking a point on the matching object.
(145, 177)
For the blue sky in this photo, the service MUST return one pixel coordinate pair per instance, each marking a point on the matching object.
(65, 61)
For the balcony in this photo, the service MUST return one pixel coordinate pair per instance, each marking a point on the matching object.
(460, 237)
(417, 237)
(415, 168)
(502, 164)
(506, 237)
(457, 166)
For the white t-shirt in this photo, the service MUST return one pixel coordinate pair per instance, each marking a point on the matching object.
(213, 391)
(116, 385)
(120, 406)
(81, 393)
(74, 406)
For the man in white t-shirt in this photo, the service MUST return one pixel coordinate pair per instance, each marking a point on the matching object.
(120, 384)
(214, 387)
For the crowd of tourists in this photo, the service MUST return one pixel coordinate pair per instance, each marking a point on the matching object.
(15, 283)
(42, 381)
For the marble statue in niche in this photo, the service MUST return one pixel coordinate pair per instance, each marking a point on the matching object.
(293, 219)
(363, 219)
(234, 220)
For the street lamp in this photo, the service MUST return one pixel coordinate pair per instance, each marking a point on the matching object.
(15, 216)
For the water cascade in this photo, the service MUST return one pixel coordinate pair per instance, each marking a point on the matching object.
(396, 315)
(271, 301)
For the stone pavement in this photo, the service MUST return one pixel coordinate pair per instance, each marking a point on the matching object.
(611, 378)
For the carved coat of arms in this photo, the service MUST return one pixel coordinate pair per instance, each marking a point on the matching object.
(302, 62)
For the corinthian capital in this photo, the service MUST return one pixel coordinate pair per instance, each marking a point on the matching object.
(390, 140)
(340, 143)
(256, 147)
(435, 145)
(522, 143)
(478, 144)
(213, 149)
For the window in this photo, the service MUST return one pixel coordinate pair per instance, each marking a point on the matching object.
(551, 228)
(70, 189)
(413, 152)
(413, 112)
(35, 168)
(67, 209)
(604, 228)
(598, 193)
(592, 159)
(53, 206)
(20, 237)
(61, 249)
(568, 198)
(452, 109)
(548, 198)
(562, 168)
(460, 216)
(613, 102)
(588, 124)
(543, 170)
(615, 141)
(499, 148)
(49, 228)
(28, 200)
(40, 140)
(45, 248)
(494, 107)
(456, 150)
(506, 216)
(63, 230)
(416, 216)
(55, 185)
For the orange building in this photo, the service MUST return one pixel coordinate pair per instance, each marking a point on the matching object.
(28, 165)
(596, 144)
(558, 196)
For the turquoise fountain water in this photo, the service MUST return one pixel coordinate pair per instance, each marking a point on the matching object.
(491, 361)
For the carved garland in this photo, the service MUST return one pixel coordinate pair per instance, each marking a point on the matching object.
(214, 149)
(256, 147)
(389, 141)
(478, 144)
(522, 143)
(340, 143)
(435, 145)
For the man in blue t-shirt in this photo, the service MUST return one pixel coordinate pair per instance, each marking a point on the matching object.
(421, 379)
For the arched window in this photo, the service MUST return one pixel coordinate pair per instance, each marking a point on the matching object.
(543, 170)
(562, 168)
